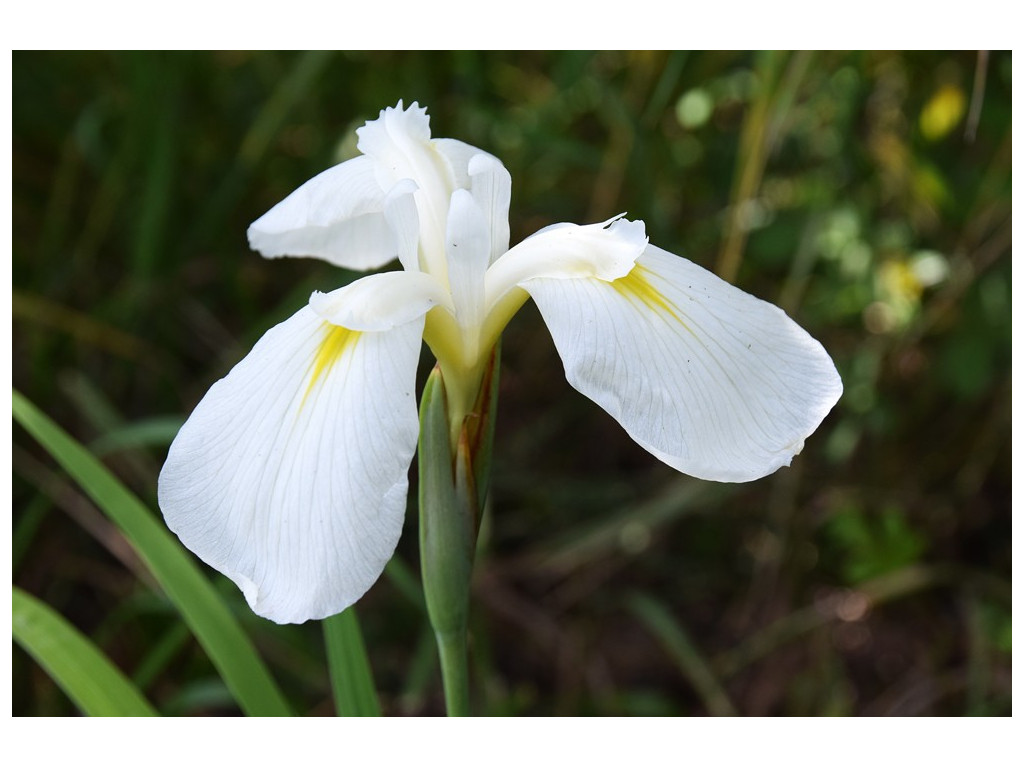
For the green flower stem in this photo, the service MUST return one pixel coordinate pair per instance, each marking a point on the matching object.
(452, 487)
(454, 653)
(446, 544)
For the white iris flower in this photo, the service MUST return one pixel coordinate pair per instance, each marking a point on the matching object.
(291, 474)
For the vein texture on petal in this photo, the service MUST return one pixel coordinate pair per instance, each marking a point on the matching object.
(713, 381)
(337, 216)
(291, 474)
(637, 288)
(382, 301)
(334, 345)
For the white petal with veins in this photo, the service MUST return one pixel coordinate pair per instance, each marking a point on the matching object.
(468, 248)
(568, 251)
(491, 186)
(338, 216)
(290, 476)
(382, 301)
(399, 145)
(711, 380)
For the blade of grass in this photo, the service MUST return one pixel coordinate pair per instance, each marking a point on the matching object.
(219, 633)
(684, 652)
(161, 654)
(600, 538)
(206, 696)
(405, 580)
(882, 589)
(300, 78)
(421, 672)
(97, 409)
(81, 326)
(88, 677)
(351, 676)
(156, 124)
(26, 526)
(158, 431)
(663, 90)
(762, 129)
(66, 496)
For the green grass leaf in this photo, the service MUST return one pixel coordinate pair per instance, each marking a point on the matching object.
(351, 676)
(157, 431)
(219, 633)
(88, 677)
(684, 652)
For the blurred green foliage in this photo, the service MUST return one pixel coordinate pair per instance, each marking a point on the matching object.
(873, 546)
(869, 194)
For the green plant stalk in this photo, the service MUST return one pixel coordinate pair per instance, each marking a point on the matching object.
(453, 651)
(452, 488)
(446, 536)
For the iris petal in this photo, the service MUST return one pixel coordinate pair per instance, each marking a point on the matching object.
(711, 380)
(338, 216)
(382, 301)
(491, 187)
(290, 476)
(468, 248)
(568, 251)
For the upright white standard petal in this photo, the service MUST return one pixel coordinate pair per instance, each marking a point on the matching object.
(491, 186)
(468, 247)
(711, 380)
(399, 144)
(290, 476)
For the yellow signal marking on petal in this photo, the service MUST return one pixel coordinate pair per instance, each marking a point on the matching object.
(636, 286)
(336, 342)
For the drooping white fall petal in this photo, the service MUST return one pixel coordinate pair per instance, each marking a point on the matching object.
(290, 476)
(711, 380)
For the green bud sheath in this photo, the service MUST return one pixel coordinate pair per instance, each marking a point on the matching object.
(453, 484)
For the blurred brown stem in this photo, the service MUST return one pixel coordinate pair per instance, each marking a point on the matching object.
(761, 131)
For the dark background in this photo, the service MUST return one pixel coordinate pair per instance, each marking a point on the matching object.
(868, 194)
